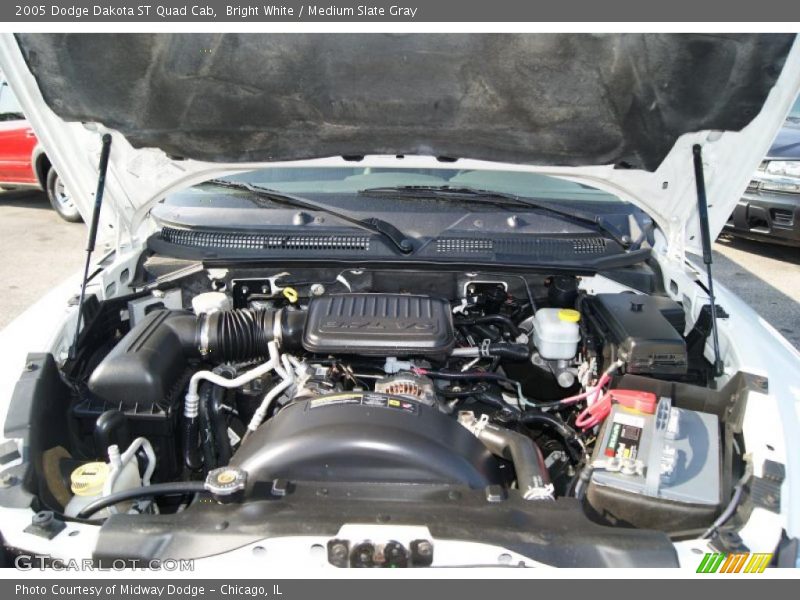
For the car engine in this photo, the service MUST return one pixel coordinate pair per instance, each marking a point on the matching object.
(235, 384)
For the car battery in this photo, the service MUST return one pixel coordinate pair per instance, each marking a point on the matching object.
(658, 470)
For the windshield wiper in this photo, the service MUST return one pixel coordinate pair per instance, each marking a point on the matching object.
(469, 194)
(374, 225)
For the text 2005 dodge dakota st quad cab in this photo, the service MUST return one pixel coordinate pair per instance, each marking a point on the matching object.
(401, 300)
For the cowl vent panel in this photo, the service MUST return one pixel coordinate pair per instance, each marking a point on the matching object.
(543, 246)
(262, 241)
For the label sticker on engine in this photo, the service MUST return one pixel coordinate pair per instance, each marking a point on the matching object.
(337, 399)
(366, 399)
(625, 436)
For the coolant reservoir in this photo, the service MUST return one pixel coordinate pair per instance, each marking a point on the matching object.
(556, 333)
(87, 483)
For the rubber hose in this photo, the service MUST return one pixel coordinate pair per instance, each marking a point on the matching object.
(508, 351)
(220, 427)
(565, 431)
(111, 428)
(498, 350)
(191, 444)
(206, 427)
(158, 489)
(244, 334)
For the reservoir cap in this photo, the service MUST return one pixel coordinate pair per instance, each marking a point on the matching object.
(89, 479)
(569, 315)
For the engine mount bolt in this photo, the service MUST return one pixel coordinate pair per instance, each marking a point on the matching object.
(42, 518)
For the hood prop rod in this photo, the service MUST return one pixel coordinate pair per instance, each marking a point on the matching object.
(705, 234)
(98, 203)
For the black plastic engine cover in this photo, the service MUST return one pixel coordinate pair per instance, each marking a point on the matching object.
(365, 437)
(379, 325)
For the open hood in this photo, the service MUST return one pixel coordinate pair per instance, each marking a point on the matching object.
(618, 112)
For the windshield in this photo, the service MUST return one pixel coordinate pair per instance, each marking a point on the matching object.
(322, 180)
(794, 113)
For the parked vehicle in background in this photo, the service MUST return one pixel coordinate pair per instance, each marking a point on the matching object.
(770, 208)
(23, 162)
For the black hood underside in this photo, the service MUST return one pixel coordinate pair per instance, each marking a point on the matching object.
(555, 99)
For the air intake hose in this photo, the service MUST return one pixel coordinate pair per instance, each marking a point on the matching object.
(243, 334)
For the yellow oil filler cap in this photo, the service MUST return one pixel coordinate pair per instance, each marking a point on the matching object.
(290, 294)
(89, 479)
(568, 315)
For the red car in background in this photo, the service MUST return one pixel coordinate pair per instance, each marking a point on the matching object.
(23, 162)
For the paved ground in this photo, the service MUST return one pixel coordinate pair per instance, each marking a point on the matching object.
(766, 276)
(38, 249)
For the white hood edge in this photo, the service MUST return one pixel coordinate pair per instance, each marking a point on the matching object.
(138, 178)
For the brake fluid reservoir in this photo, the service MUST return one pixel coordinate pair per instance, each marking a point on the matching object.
(556, 333)
(87, 483)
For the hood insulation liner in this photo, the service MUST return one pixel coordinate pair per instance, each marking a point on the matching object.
(555, 99)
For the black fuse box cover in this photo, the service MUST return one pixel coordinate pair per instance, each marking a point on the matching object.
(644, 331)
(379, 325)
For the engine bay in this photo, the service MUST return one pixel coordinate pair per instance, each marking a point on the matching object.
(233, 386)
